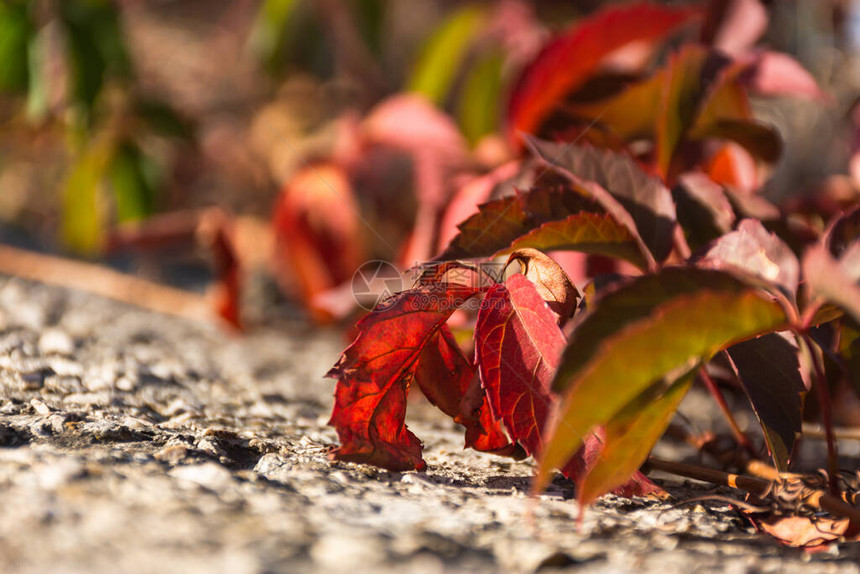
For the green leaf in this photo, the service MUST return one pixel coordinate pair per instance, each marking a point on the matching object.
(630, 436)
(478, 110)
(96, 48)
(270, 31)
(500, 222)
(132, 179)
(16, 33)
(680, 103)
(81, 226)
(623, 304)
(586, 232)
(38, 103)
(670, 340)
(440, 60)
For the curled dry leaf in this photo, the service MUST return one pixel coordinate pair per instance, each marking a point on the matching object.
(550, 280)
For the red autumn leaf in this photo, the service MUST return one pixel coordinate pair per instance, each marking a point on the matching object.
(518, 344)
(447, 379)
(375, 371)
(316, 226)
(566, 62)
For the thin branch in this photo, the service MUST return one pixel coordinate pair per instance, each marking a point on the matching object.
(811, 497)
(715, 392)
(99, 280)
(826, 414)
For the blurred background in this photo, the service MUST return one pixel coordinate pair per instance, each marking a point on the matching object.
(261, 151)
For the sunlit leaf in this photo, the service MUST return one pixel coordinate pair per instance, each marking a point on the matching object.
(670, 340)
(751, 248)
(594, 233)
(629, 438)
(830, 281)
(518, 344)
(500, 222)
(374, 374)
(624, 303)
(645, 198)
(567, 61)
(82, 220)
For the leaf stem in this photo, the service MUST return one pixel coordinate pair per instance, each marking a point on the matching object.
(743, 439)
(826, 415)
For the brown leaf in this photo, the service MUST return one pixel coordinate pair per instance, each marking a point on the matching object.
(550, 280)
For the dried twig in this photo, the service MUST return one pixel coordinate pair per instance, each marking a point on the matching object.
(796, 493)
(99, 280)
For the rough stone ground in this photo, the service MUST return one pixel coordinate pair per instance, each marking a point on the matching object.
(133, 442)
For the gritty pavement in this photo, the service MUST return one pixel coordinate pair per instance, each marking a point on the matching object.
(135, 442)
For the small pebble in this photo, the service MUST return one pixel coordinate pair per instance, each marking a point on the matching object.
(56, 342)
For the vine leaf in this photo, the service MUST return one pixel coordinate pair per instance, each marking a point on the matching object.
(669, 341)
(518, 345)
(499, 223)
(752, 249)
(550, 281)
(834, 280)
(375, 371)
(642, 197)
(627, 303)
(566, 62)
(594, 233)
(447, 377)
(769, 370)
(629, 437)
